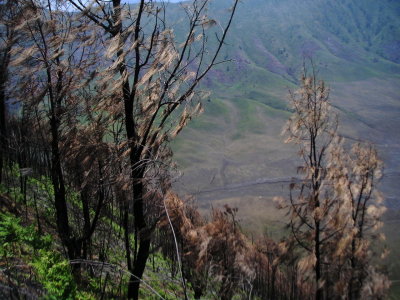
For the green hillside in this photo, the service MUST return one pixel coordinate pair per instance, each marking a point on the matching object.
(270, 40)
(348, 39)
(355, 46)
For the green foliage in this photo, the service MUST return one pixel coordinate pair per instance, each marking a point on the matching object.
(83, 295)
(158, 275)
(23, 242)
(55, 274)
(10, 234)
(42, 185)
(15, 238)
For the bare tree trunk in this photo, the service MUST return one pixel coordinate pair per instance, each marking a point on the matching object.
(86, 222)
(59, 190)
(351, 293)
(143, 238)
(141, 260)
(318, 275)
(3, 131)
(3, 108)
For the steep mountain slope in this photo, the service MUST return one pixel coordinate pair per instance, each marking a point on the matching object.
(269, 41)
(347, 38)
(234, 153)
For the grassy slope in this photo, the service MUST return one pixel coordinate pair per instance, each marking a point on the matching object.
(355, 47)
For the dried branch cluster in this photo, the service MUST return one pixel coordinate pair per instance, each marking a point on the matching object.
(218, 257)
(335, 211)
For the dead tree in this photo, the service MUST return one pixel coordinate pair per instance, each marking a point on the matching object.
(10, 17)
(51, 65)
(354, 172)
(312, 126)
(336, 203)
(153, 93)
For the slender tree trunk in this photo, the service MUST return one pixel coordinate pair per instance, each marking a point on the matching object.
(142, 256)
(143, 237)
(318, 294)
(59, 190)
(3, 109)
(3, 131)
(86, 226)
(355, 283)
(315, 197)
(142, 232)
